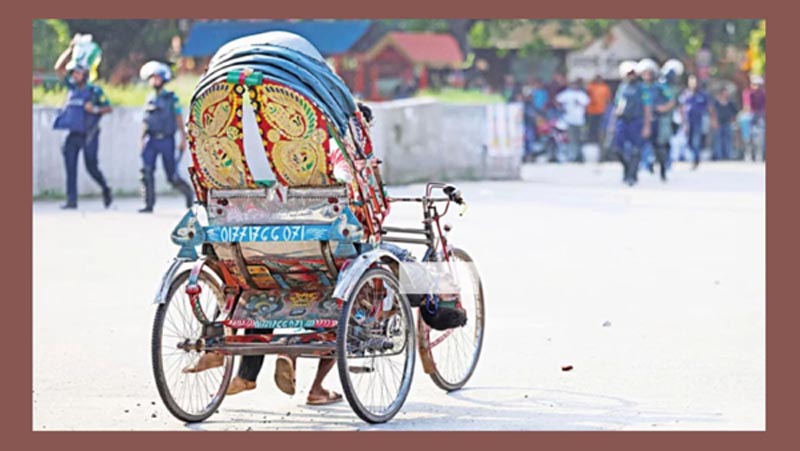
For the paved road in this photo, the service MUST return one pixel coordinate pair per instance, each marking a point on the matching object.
(675, 271)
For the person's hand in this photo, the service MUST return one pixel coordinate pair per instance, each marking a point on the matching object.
(645, 132)
(182, 145)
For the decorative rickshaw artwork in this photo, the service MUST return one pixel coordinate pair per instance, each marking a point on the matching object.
(284, 309)
(306, 253)
(294, 135)
(215, 138)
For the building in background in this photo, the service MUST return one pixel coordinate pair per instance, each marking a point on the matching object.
(527, 51)
(403, 60)
(333, 38)
(623, 41)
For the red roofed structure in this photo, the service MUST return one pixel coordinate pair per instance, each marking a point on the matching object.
(400, 57)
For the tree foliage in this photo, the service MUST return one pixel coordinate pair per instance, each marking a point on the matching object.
(123, 40)
(681, 36)
(50, 38)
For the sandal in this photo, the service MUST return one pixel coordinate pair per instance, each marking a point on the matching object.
(284, 375)
(330, 397)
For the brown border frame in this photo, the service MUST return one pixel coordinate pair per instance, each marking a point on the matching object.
(782, 225)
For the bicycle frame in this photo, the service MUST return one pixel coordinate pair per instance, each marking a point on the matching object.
(434, 237)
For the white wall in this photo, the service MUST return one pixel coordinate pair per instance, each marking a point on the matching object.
(418, 140)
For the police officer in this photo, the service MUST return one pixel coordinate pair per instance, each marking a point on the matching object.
(163, 117)
(663, 102)
(632, 110)
(85, 105)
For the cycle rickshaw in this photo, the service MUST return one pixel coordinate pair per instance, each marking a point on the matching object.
(308, 253)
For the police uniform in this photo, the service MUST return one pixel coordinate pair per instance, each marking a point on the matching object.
(160, 122)
(84, 131)
(661, 94)
(697, 103)
(630, 102)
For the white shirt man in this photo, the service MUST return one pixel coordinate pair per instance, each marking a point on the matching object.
(574, 101)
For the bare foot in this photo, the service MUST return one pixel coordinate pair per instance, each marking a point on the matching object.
(207, 361)
(239, 385)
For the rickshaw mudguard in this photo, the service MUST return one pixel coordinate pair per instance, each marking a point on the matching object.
(351, 274)
(169, 275)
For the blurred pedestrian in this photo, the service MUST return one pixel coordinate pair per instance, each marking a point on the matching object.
(512, 92)
(574, 101)
(754, 101)
(86, 103)
(697, 105)
(539, 97)
(599, 98)
(633, 112)
(664, 103)
(646, 69)
(163, 117)
(725, 111)
(529, 123)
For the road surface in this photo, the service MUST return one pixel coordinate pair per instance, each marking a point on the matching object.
(655, 295)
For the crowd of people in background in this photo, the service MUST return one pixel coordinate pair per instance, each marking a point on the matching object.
(657, 114)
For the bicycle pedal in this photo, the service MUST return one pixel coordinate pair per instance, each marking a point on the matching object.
(360, 369)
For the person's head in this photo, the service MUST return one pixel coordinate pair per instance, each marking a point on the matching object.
(79, 75)
(756, 81)
(722, 95)
(692, 82)
(576, 83)
(78, 72)
(597, 78)
(627, 70)
(156, 81)
(509, 79)
(672, 70)
(156, 73)
(647, 68)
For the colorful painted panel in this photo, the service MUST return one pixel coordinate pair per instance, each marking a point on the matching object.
(286, 308)
(294, 134)
(215, 138)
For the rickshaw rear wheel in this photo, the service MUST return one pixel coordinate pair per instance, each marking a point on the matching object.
(190, 397)
(455, 352)
(376, 347)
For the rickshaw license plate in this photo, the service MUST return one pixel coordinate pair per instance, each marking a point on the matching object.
(229, 234)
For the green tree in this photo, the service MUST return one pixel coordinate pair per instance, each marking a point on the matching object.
(50, 38)
(122, 40)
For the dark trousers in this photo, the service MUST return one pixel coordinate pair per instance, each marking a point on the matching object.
(695, 139)
(251, 365)
(165, 147)
(723, 142)
(595, 122)
(72, 146)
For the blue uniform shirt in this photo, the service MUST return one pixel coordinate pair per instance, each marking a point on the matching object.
(73, 116)
(161, 110)
(631, 100)
(697, 105)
